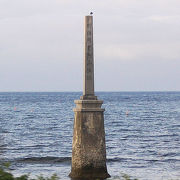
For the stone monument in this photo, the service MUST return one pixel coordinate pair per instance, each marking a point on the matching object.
(88, 149)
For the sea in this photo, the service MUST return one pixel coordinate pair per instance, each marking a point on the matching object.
(142, 133)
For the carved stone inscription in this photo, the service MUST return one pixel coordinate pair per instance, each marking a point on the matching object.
(89, 53)
(89, 57)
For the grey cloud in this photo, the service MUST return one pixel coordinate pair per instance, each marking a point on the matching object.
(41, 44)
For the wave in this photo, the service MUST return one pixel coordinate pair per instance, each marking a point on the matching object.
(67, 160)
(44, 160)
(117, 159)
(52, 160)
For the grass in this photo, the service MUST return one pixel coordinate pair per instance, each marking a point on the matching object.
(123, 177)
(5, 174)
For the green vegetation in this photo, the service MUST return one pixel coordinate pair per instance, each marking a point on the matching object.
(5, 174)
(123, 177)
(127, 177)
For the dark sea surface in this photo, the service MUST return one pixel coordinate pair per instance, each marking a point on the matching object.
(142, 133)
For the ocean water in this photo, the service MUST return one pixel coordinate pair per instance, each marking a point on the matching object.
(142, 133)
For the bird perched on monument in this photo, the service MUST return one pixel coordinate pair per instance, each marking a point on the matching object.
(91, 13)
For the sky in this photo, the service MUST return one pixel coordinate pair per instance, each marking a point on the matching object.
(136, 45)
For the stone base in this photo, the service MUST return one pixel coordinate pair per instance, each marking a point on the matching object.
(89, 150)
(89, 173)
(88, 97)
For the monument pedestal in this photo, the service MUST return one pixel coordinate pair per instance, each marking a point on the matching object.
(88, 150)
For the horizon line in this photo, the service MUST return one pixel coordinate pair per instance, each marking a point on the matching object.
(82, 91)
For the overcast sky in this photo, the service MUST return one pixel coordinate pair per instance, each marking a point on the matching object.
(136, 43)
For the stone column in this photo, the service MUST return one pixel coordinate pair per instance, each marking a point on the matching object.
(88, 58)
(89, 149)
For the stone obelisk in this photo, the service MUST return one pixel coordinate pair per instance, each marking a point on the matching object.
(88, 149)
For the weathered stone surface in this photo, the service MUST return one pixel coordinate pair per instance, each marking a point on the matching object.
(88, 150)
(88, 58)
(88, 105)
